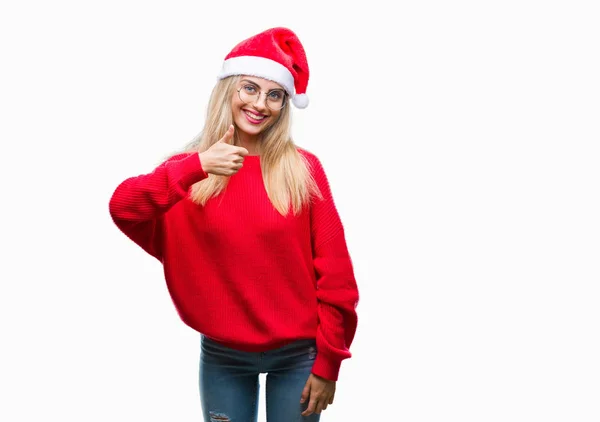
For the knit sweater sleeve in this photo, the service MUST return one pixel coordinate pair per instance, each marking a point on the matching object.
(337, 291)
(139, 203)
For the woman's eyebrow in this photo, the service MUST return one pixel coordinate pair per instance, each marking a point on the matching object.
(259, 87)
(249, 81)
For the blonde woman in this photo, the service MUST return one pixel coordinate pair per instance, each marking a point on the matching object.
(253, 249)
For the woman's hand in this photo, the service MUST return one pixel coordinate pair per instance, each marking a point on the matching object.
(222, 158)
(320, 391)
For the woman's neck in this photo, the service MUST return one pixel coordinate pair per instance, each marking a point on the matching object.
(251, 143)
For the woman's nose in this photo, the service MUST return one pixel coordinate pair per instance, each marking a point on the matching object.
(261, 101)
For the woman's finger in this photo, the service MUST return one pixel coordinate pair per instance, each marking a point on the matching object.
(321, 405)
(312, 404)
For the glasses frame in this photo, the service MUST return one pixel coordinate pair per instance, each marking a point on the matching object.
(285, 95)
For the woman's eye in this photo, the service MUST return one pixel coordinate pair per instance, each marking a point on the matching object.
(250, 89)
(276, 95)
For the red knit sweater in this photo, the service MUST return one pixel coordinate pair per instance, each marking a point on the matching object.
(237, 270)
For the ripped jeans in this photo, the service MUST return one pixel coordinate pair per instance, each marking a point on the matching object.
(229, 382)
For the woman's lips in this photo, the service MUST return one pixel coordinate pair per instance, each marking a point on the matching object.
(251, 117)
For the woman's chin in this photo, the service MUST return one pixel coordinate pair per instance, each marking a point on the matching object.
(250, 129)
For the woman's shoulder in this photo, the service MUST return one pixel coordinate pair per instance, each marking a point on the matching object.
(310, 156)
(304, 151)
(312, 159)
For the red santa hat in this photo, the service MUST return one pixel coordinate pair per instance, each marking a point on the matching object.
(275, 54)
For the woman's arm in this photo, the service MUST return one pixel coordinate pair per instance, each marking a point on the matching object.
(337, 291)
(138, 203)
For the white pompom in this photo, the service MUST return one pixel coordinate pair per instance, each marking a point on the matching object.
(300, 100)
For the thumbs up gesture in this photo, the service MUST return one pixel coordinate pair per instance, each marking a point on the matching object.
(223, 158)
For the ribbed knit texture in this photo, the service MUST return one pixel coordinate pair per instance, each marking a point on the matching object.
(237, 270)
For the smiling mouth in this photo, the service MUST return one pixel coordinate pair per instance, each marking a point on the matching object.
(255, 117)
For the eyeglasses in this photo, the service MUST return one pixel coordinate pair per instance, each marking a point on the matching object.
(276, 98)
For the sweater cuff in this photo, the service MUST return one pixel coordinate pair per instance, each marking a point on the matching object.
(187, 171)
(326, 368)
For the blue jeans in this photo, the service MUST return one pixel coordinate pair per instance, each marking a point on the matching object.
(229, 382)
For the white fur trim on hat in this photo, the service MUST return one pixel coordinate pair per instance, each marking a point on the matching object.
(260, 67)
(300, 100)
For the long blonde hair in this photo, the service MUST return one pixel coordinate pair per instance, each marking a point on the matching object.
(286, 172)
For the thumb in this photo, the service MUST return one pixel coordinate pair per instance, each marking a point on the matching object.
(228, 135)
(305, 392)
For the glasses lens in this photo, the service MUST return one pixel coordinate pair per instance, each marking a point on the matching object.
(248, 94)
(276, 99)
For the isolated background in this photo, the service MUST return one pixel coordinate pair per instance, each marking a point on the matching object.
(461, 142)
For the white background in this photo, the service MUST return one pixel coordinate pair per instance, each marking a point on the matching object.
(461, 142)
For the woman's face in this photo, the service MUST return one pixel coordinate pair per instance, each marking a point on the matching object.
(254, 116)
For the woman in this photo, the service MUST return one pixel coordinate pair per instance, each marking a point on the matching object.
(253, 249)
